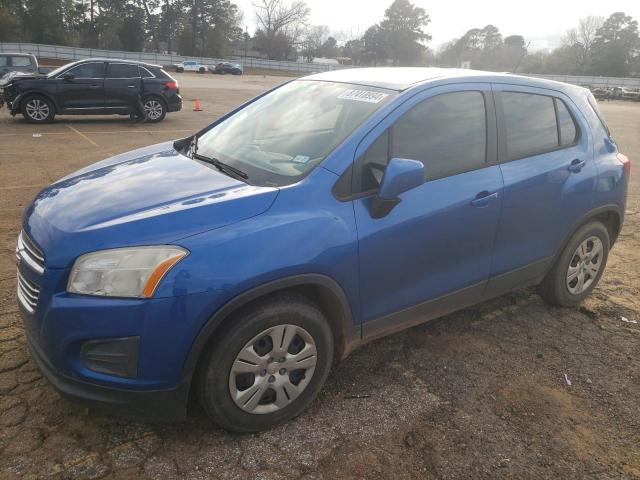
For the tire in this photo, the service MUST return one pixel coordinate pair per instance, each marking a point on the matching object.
(201, 70)
(221, 390)
(37, 109)
(180, 70)
(587, 265)
(155, 109)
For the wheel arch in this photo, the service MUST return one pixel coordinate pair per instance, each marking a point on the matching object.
(155, 95)
(29, 93)
(609, 215)
(322, 290)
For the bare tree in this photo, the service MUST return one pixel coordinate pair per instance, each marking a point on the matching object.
(344, 36)
(578, 41)
(152, 23)
(313, 39)
(281, 17)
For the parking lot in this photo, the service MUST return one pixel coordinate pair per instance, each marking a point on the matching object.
(482, 393)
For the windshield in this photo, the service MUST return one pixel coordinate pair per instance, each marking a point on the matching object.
(282, 136)
(55, 72)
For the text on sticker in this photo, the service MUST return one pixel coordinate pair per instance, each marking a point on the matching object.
(362, 96)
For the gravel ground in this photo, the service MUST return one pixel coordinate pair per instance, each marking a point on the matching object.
(477, 394)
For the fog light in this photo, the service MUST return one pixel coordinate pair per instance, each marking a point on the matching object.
(113, 356)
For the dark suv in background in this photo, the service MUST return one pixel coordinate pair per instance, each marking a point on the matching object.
(92, 87)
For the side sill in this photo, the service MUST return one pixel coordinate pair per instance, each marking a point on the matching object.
(423, 312)
(526, 276)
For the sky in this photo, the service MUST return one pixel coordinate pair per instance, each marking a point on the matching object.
(543, 22)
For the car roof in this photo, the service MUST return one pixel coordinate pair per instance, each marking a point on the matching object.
(118, 60)
(402, 78)
(15, 54)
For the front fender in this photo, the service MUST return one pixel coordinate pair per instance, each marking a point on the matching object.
(16, 102)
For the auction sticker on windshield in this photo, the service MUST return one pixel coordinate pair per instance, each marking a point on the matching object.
(362, 96)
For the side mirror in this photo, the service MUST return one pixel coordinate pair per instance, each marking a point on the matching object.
(401, 175)
(68, 76)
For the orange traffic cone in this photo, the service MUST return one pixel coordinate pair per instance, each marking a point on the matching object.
(198, 107)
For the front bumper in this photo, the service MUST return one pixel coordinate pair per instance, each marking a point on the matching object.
(169, 404)
(125, 356)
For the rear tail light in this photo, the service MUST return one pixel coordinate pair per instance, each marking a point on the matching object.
(172, 84)
(626, 163)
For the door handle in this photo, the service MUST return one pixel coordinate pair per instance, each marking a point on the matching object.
(577, 165)
(94, 86)
(131, 86)
(483, 199)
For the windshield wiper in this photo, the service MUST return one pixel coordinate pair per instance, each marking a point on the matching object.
(223, 167)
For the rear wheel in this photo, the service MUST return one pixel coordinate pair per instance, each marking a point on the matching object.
(155, 109)
(38, 109)
(267, 366)
(579, 268)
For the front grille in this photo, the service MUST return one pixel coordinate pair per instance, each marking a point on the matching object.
(28, 293)
(27, 251)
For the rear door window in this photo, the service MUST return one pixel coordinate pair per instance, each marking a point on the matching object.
(123, 70)
(530, 123)
(4, 61)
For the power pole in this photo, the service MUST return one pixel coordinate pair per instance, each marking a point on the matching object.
(526, 50)
(246, 41)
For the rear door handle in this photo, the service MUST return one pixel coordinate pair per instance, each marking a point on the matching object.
(131, 86)
(577, 165)
(483, 199)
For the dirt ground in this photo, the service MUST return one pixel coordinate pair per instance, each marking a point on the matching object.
(477, 394)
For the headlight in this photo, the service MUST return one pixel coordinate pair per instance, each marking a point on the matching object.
(123, 272)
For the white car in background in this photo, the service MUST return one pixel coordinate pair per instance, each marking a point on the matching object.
(190, 66)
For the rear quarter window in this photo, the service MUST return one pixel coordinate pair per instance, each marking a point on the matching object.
(596, 110)
(144, 73)
(566, 124)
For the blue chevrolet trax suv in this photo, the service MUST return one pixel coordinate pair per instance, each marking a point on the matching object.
(238, 264)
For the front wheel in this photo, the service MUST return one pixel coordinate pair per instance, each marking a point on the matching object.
(579, 267)
(37, 109)
(267, 366)
(155, 109)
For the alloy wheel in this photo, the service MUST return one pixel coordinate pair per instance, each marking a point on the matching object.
(584, 265)
(272, 369)
(153, 109)
(37, 109)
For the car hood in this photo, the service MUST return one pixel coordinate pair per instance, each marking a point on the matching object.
(19, 76)
(154, 195)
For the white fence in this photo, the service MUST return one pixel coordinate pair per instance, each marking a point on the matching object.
(592, 81)
(73, 53)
